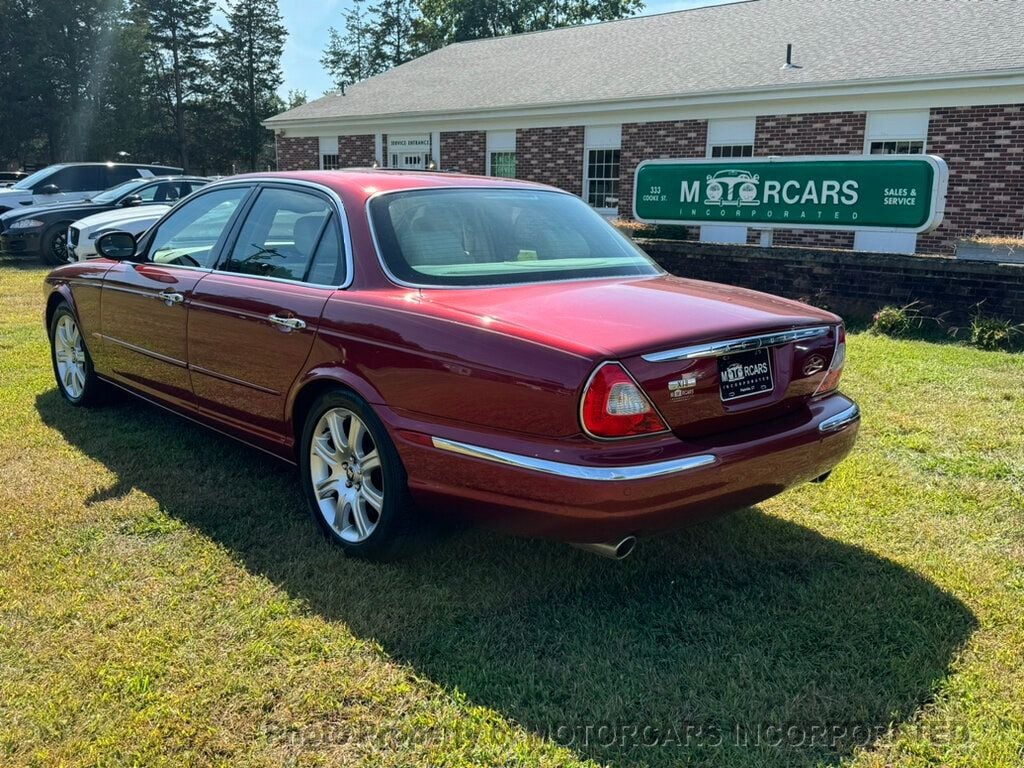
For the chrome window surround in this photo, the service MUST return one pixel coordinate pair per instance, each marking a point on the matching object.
(260, 180)
(514, 187)
(576, 471)
(732, 346)
(840, 420)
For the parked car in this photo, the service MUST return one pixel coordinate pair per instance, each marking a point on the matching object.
(485, 347)
(7, 178)
(43, 229)
(82, 234)
(75, 181)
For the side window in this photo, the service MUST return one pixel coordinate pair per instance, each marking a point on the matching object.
(119, 174)
(76, 178)
(189, 236)
(167, 192)
(280, 235)
(328, 267)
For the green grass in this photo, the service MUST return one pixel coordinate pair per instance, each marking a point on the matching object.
(164, 600)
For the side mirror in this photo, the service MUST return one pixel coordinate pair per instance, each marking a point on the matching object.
(49, 189)
(119, 246)
(131, 201)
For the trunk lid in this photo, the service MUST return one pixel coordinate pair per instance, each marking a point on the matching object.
(636, 320)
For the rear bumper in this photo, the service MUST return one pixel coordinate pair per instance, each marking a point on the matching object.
(606, 491)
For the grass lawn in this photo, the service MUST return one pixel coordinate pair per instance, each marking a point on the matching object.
(164, 600)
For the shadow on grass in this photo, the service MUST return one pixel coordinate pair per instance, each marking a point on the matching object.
(694, 650)
(13, 261)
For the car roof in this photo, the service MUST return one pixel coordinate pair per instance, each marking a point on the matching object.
(368, 181)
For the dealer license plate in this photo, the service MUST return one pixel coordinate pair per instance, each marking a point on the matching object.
(745, 374)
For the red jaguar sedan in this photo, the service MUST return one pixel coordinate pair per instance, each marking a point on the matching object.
(487, 348)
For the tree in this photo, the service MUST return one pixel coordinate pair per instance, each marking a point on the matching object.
(372, 41)
(347, 56)
(181, 37)
(450, 21)
(392, 33)
(249, 69)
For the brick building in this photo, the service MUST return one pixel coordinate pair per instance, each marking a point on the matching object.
(580, 107)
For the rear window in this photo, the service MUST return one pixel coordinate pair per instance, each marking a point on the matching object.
(449, 237)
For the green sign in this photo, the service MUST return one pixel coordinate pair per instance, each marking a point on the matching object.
(903, 193)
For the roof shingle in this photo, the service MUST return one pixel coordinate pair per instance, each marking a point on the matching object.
(705, 50)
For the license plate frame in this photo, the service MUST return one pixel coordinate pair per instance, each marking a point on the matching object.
(753, 377)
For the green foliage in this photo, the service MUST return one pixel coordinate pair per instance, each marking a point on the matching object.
(451, 21)
(138, 80)
(248, 64)
(893, 321)
(995, 333)
(374, 39)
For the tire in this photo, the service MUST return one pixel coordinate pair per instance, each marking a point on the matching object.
(72, 365)
(53, 246)
(362, 507)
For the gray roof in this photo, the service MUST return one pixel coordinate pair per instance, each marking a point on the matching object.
(703, 50)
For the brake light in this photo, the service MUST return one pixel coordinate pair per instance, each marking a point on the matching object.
(614, 406)
(835, 371)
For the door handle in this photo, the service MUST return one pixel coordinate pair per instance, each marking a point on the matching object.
(292, 323)
(170, 297)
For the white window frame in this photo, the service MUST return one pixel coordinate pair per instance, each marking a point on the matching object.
(903, 125)
(328, 146)
(731, 132)
(596, 138)
(499, 141)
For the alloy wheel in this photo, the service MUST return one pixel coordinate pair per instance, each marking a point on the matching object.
(59, 248)
(347, 475)
(69, 353)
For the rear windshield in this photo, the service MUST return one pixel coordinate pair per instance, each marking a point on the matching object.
(443, 237)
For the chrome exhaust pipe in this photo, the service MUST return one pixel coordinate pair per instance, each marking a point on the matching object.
(615, 550)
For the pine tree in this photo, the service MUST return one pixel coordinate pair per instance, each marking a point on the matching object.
(392, 33)
(181, 37)
(249, 68)
(347, 56)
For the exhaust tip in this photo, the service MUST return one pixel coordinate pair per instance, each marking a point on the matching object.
(613, 550)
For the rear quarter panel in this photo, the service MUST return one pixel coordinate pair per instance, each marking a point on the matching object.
(449, 370)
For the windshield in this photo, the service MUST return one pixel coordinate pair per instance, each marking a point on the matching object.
(113, 193)
(32, 179)
(443, 237)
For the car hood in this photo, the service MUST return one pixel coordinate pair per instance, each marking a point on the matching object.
(61, 209)
(616, 318)
(123, 215)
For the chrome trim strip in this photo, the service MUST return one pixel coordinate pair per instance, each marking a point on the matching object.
(840, 420)
(576, 471)
(731, 346)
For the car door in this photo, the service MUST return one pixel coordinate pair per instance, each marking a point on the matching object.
(144, 303)
(253, 320)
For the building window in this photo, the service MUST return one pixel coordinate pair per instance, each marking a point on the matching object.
(603, 178)
(329, 162)
(897, 147)
(503, 164)
(732, 150)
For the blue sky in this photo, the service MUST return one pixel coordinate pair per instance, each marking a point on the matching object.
(308, 20)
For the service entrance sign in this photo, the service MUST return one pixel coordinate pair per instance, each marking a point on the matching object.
(892, 193)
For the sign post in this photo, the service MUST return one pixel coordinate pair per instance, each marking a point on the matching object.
(888, 193)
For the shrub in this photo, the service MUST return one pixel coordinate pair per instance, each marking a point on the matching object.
(637, 229)
(896, 321)
(995, 333)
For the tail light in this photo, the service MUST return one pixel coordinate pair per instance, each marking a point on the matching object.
(835, 371)
(613, 405)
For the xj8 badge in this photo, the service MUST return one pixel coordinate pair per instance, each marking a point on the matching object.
(721, 188)
(683, 386)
